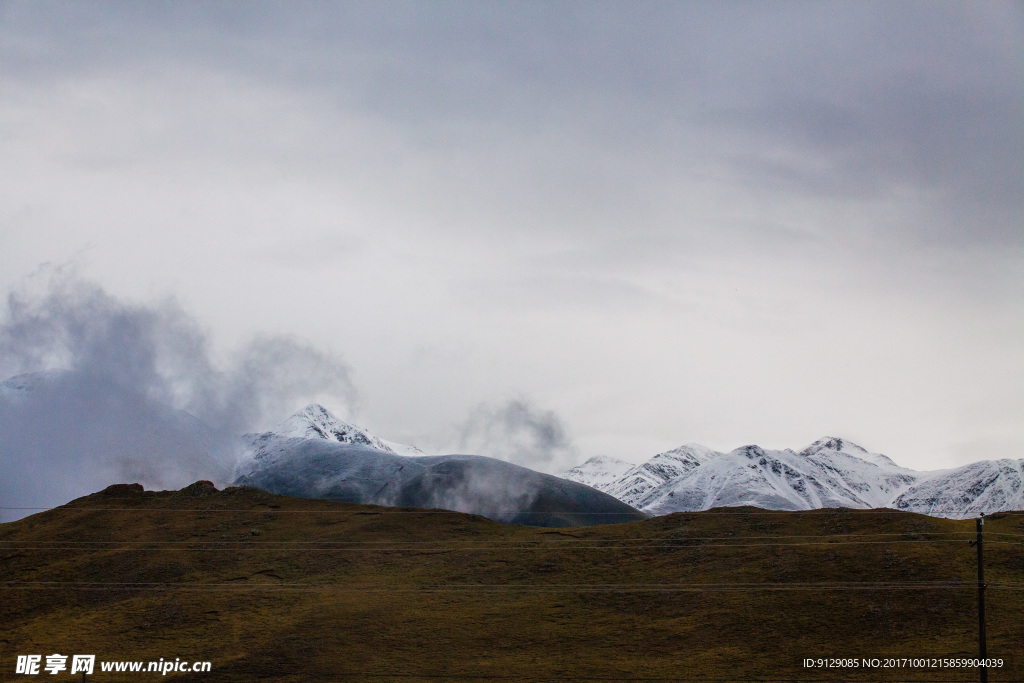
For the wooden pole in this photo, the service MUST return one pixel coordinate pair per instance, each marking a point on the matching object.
(982, 650)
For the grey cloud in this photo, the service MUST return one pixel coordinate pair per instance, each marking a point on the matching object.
(560, 103)
(518, 432)
(159, 351)
(959, 153)
(588, 157)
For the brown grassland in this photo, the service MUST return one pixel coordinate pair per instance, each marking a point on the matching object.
(270, 588)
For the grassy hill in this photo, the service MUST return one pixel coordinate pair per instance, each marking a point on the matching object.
(274, 588)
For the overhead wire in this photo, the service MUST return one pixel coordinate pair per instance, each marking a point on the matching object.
(494, 548)
(389, 511)
(566, 539)
(508, 588)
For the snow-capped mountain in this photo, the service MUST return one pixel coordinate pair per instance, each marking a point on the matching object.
(598, 472)
(834, 444)
(316, 422)
(831, 472)
(981, 487)
(636, 484)
(876, 483)
(95, 431)
(630, 483)
(781, 480)
(314, 454)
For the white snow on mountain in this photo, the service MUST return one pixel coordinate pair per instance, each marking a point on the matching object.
(874, 477)
(598, 472)
(781, 480)
(837, 445)
(637, 483)
(968, 491)
(831, 472)
(316, 422)
(59, 413)
(402, 449)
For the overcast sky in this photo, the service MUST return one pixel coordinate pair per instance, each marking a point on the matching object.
(640, 224)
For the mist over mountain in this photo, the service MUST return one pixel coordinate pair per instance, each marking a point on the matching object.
(69, 432)
(136, 394)
(314, 454)
(517, 431)
(66, 433)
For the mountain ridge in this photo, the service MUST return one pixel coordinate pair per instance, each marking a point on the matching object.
(96, 431)
(831, 472)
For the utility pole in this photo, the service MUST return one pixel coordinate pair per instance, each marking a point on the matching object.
(982, 652)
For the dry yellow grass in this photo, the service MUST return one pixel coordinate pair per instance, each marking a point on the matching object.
(286, 589)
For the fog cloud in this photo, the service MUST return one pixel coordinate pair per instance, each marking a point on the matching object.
(518, 432)
(132, 392)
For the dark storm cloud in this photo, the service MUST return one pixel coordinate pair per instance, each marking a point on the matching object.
(130, 379)
(518, 432)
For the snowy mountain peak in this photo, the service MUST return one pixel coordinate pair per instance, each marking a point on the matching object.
(634, 482)
(833, 443)
(752, 451)
(691, 451)
(598, 472)
(831, 472)
(316, 422)
(605, 460)
(981, 487)
(830, 445)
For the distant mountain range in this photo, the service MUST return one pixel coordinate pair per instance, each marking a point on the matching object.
(64, 434)
(831, 472)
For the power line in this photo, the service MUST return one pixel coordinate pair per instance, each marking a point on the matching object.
(785, 679)
(505, 588)
(265, 508)
(576, 539)
(495, 548)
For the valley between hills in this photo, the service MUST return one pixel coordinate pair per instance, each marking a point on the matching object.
(275, 588)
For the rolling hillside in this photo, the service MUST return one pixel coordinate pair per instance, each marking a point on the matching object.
(268, 587)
